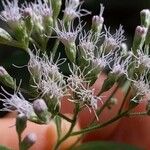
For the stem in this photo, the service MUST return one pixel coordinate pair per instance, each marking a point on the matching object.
(137, 114)
(19, 139)
(70, 129)
(124, 99)
(64, 117)
(86, 130)
(55, 47)
(105, 104)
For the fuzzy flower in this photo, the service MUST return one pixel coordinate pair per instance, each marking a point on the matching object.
(67, 34)
(103, 59)
(113, 41)
(39, 11)
(11, 13)
(88, 44)
(120, 65)
(77, 78)
(42, 8)
(16, 102)
(87, 97)
(55, 90)
(44, 66)
(73, 9)
(141, 86)
(142, 59)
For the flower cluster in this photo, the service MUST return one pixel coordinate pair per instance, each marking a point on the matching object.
(89, 54)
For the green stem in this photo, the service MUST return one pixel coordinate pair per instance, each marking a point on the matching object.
(55, 47)
(86, 130)
(105, 104)
(70, 129)
(124, 99)
(19, 139)
(137, 114)
(64, 117)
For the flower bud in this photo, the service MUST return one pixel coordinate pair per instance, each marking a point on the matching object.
(139, 38)
(97, 24)
(70, 50)
(21, 123)
(48, 23)
(28, 141)
(109, 82)
(27, 14)
(97, 21)
(56, 5)
(145, 17)
(41, 110)
(5, 78)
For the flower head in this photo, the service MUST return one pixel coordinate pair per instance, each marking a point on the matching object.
(113, 41)
(11, 13)
(103, 59)
(77, 78)
(141, 86)
(67, 34)
(39, 66)
(120, 65)
(16, 102)
(88, 44)
(73, 9)
(142, 59)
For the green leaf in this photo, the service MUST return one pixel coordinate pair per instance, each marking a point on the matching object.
(4, 148)
(105, 146)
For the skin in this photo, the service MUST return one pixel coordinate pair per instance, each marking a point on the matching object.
(46, 134)
(130, 130)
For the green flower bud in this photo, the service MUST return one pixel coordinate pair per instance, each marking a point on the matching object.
(56, 5)
(53, 106)
(109, 82)
(48, 23)
(27, 14)
(41, 110)
(70, 50)
(145, 17)
(97, 24)
(28, 141)
(21, 123)
(5, 78)
(139, 38)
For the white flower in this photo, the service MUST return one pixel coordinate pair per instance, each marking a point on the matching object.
(120, 65)
(67, 34)
(88, 43)
(142, 59)
(11, 13)
(55, 90)
(16, 102)
(42, 8)
(113, 41)
(141, 86)
(39, 10)
(103, 59)
(44, 66)
(73, 9)
(77, 78)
